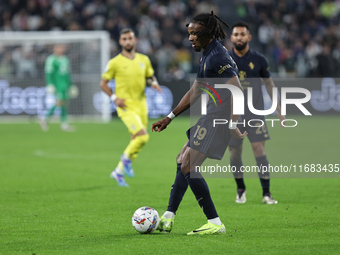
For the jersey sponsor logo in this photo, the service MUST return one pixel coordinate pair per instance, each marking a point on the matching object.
(142, 65)
(251, 65)
(223, 68)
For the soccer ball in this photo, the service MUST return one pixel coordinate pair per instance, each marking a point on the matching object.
(145, 220)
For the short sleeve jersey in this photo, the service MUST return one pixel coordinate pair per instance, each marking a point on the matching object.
(129, 75)
(252, 67)
(217, 66)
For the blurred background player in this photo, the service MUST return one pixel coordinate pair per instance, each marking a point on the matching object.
(252, 67)
(204, 140)
(58, 79)
(130, 70)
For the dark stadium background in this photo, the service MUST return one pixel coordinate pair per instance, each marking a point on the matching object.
(56, 196)
(299, 38)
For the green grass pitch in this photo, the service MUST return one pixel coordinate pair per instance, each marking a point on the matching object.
(56, 196)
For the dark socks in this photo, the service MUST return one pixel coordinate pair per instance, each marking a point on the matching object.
(264, 176)
(240, 183)
(201, 191)
(177, 191)
(238, 175)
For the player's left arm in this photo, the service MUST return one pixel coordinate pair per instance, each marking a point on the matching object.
(187, 100)
(150, 77)
(269, 83)
(153, 82)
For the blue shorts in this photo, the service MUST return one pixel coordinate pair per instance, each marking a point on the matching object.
(211, 141)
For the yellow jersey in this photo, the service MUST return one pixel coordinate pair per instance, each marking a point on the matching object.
(130, 76)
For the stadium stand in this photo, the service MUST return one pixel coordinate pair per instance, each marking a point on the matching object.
(300, 38)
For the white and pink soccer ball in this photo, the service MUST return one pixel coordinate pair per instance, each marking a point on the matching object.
(145, 220)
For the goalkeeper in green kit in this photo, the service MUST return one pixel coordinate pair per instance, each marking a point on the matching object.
(58, 80)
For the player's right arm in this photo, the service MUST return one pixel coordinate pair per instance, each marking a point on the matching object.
(269, 83)
(120, 102)
(235, 132)
(188, 99)
(109, 74)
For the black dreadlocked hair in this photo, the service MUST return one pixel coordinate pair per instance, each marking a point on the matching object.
(213, 29)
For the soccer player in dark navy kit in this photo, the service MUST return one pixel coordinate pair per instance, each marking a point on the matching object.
(253, 69)
(204, 140)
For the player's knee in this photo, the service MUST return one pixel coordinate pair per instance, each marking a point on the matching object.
(143, 138)
(185, 167)
(182, 153)
(178, 159)
(235, 152)
(258, 149)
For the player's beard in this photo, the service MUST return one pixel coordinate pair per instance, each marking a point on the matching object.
(240, 47)
(129, 49)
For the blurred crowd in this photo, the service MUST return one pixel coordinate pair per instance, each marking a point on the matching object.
(159, 25)
(299, 37)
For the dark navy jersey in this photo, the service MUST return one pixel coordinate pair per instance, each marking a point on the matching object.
(252, 67)
(217, 67)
